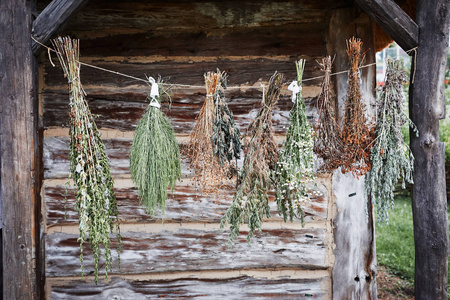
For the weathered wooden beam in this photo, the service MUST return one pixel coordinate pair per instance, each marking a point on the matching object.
(53, 19)
(19, 164)
(238, 287)
(393, 20)
(426, 109)
(354, 270)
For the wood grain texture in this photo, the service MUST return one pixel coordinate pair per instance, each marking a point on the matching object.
(236, 288)
(185, 204)
(285, 40)
(19, 151)
(52, 20)
(354, 270)
(393, 20)
(185, 16)
(190, 70)
(194, 250)
(125, 115)
(427, 107)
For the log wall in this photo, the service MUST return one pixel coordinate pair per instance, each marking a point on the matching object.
(184, 254)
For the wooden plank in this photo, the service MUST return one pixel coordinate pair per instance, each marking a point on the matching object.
(185, 204)
(125, 115)
(241, 70)
(185, 16)
(56, 156)
(426, 108)
(292, 39)
(195, 250)
(52, 20)
(240, 287)
(19, 151)
(393, 20)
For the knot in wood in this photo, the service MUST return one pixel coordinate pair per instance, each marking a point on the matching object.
(428, 140)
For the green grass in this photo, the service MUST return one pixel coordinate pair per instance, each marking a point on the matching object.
(395, 242)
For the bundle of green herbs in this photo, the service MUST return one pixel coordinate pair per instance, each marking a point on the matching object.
(391, 157)
(155, 156)
(328, 144)
(226, 136)
(294, 169)
(89, 166)
(357, 134)
(210, 145)
(251, 201)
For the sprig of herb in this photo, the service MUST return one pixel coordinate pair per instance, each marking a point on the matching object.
(207, 147)
(155, 157)
(226, 136)
(294, 169)
(251, 201)
(391, 157)
(328, 144)
(357, 135)
(89, 166)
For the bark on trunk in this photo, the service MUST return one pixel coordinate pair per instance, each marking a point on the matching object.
(426, 108)
(19, 163)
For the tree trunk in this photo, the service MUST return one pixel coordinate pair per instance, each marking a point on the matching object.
(426, 108)
(19, 162)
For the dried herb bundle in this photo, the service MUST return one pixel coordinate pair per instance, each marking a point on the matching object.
(95, 200)
(390, 156)
(250, 202)
(155, 157)
(294, 169)
(226, 136)
(328, 143)
(356, 134)
(210, 173)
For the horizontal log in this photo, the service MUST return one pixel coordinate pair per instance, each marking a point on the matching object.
(56, 156)
(185, 204)
(194, 250)
(101, 17)
(239, 287)
(291, 39)
(114, 113)
(240, 69)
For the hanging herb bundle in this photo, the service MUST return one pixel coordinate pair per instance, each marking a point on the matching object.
(356, 134)
(95, 200)
(226, 136)
(155, 156)
(294, 169)
(390, 156)
(328, 143)
(214, 137)
(251, 201)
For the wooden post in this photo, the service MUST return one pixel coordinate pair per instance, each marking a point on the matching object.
(354, 270)
(426, 108)
(18, 149)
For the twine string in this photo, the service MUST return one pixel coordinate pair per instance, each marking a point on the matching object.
(49, 50)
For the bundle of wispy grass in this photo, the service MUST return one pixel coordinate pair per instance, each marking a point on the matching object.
(356, 134)
(390, 156)
(251, 201)
(155, 157)
(226, 136)
(95, 200)
(328, 143)
(210, 174)
(294, 170)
